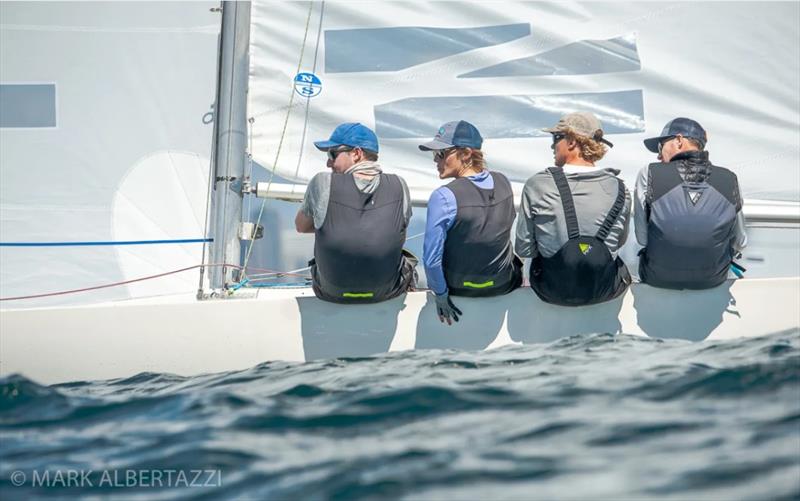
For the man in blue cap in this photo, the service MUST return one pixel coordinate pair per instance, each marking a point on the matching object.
(688, 212)
(359, 216)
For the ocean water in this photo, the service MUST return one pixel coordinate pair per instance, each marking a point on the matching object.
(585, 417)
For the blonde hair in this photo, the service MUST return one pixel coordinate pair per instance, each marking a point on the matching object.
(472, 158)
(591, 150)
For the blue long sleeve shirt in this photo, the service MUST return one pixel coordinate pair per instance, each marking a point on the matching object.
(442, 211)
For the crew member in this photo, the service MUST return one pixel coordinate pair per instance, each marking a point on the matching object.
(467, 249)
(574, 218)
(359, 216)
(688, 212)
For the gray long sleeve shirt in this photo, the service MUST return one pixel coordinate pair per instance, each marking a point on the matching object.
(541, 226)
(318, 191)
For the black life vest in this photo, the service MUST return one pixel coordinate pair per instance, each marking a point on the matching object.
(478, 259)
(358, 249)
(690, 228)
(582, 272)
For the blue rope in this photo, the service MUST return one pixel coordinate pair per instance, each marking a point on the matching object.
(292, 284)
(239, 285)
(121, 242)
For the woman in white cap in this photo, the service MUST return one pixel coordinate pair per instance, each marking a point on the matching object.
(467, 249)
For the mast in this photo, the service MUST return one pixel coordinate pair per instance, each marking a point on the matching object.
(230, 143)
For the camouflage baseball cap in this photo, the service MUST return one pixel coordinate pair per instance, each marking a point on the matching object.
(581, 123)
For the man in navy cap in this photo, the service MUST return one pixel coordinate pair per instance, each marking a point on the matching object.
(688, 212)
(467, 250)
(359, 216)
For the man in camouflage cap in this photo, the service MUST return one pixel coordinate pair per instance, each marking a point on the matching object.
(581, 124)
(573, 218)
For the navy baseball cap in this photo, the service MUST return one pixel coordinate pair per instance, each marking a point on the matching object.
(459, 133)
(351, 134)
(686, 127)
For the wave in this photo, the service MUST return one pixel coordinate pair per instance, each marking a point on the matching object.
(630, 416)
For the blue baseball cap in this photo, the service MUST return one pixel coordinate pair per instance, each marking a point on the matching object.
(459, 133)
(351, 134)
(686, 127)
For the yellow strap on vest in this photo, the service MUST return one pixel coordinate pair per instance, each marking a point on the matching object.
(358, 294)
(473, 285)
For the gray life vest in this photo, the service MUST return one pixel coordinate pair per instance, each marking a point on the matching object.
(583, 271)
(358, 249)
(690, 228)
(478, 259)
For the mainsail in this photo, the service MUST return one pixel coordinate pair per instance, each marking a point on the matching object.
(512, 68)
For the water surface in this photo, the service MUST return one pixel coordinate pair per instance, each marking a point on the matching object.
(595, 416)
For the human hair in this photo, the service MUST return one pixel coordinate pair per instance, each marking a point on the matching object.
(370, 155)
(697, 144)
(472, 158)
(591, 150)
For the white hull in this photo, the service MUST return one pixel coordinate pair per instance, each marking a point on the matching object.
(180, 335)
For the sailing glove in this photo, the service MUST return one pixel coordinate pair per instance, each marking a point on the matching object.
(446, 309)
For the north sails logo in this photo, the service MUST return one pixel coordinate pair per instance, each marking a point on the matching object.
(694, 196)
(307, 84)
(585, 248)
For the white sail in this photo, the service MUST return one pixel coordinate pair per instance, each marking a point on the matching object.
(105, 138)
(510, 68)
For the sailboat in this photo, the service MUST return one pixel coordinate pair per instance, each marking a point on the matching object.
(130, 135)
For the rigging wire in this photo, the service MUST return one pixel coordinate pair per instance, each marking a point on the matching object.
(308, 99)
(279, 273)
(115, 284)
(280, 142)
(273, 274)
(212, 165)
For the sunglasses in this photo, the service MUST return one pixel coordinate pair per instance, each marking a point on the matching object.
(442, 154)
(558, 137)
(332, 154)
(663, 142)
